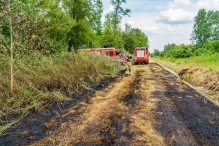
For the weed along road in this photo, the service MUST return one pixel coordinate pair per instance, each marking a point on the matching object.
(148, 107)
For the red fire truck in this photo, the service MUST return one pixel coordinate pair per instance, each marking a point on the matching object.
(141, 55)
(108, 51)
(111, 52)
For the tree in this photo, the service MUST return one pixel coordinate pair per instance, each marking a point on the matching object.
(213, 18)
(156, 52)
(117, 41)
(201, 33)
(118, 13)
(22, 29)
(58, 24)
(142, 39)
(129, 38)
(79, 33)
(107, 37)
(95, 18)
(108, 23)
(134, 37)
(168, 48)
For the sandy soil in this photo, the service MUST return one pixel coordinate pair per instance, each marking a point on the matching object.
(148, 107)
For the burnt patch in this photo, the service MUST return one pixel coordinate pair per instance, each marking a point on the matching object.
(37, 125)
(183, 116)
(114, 126)
(131, 91)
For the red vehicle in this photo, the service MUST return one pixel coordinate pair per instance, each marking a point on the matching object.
(141, 55)
(121, 56)
(108, 51)
(111, 52)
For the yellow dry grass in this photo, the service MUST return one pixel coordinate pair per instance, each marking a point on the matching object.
(112, 115)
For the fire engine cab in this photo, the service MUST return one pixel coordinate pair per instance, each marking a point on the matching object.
(141, 55)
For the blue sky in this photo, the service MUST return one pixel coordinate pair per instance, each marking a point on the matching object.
(164, 21)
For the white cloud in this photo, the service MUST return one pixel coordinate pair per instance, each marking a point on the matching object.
(209, 4)
(150, 28)
(169, 28)
(175, 16)
(183, 2)
(130, 22)
(110, 8)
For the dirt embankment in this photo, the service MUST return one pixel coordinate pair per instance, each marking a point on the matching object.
(196, 76)
(150, 107)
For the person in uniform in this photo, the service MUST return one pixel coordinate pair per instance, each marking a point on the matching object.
(128, 63)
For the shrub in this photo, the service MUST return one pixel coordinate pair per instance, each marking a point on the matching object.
(212, 46)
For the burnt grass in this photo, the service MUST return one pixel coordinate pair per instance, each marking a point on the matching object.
(33, 127)
(121, 124)
(119, 130)
(183, 116)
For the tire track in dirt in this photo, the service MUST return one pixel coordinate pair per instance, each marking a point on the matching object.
(184, 117)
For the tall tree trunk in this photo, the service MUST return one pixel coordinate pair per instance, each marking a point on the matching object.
(11, 49)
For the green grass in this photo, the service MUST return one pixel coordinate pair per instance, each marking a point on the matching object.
(210, 62)
(41, 81)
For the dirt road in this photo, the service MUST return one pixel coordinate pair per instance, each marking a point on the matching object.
(148, 107)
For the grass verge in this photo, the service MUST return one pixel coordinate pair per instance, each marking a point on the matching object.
(210, 62)
(40, 81)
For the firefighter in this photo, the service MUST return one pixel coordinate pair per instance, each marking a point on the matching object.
(128, 63)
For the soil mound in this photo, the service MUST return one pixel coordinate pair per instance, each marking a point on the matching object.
(201, 77)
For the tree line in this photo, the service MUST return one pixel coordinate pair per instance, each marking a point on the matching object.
(55, 26)
(204, 38)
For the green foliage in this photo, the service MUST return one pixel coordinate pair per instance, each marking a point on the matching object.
(212, 46)
(118, 13)
(155, 53)
(108, 23)
(141, 37)
(168, 48)
(175, 51)
(95, 18)
(206, 27)
(182, 51)
(209, 61)
(79, 35)
(108, 37)
(133, 38)
(201, 32)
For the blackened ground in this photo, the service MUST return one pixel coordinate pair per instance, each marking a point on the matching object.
(150, 107)
(35, 127)
(184, 117)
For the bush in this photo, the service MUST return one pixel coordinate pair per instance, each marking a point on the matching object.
(181, 51)
(212, 46)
